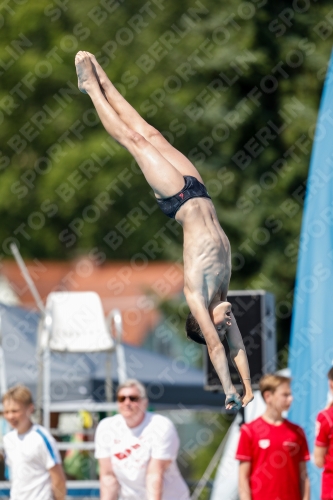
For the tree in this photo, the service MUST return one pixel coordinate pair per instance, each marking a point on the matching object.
(233, 85)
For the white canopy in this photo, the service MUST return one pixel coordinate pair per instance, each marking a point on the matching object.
(74, 322)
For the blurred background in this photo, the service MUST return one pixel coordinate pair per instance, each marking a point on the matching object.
(235, 86)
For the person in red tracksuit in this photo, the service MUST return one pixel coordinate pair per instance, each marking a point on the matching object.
(323, 451)
(272, 450)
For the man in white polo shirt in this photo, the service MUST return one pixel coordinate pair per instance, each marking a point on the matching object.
(30, 451)
(137, 451)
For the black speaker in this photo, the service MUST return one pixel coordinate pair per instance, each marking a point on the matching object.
(255, 316)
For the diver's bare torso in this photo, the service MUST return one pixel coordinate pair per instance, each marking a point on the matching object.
(207, 260)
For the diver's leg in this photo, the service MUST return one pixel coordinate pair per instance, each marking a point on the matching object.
(164, 179)
(132, 118)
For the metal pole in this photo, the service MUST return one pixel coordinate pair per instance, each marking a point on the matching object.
(211, 466)
(115, 317)
(34, 292)
(27, 277)
(3, 378)
(108, 380)
(121, 361)
(39, 398)
(46, 388)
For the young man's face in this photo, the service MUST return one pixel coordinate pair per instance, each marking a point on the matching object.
(16, 413)
(281, 398)
(221, 317)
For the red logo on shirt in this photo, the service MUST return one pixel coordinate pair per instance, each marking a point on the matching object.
(127, 452)
(181, 195)
(123, 455)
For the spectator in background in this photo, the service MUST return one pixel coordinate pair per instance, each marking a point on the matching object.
(137, 451)
(273, 451)
(323, 450)
(31, 452)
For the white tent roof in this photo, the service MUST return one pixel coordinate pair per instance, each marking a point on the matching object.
(7, 294)
(80, 376)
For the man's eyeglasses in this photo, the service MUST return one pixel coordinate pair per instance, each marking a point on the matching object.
(134, 399)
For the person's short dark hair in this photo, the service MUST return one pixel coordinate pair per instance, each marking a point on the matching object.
(193, 330)
(330, 374)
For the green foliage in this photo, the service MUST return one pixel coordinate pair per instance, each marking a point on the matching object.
(234, 85)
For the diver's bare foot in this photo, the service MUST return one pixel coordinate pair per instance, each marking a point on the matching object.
(100, 73)
(85, 72)
(247, 398)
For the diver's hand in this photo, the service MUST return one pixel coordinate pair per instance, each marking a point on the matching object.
(247, 398)
(233, 401)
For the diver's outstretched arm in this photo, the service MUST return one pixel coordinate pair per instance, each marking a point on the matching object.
(239, 358)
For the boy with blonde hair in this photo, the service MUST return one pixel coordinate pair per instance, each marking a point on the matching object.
(273, 451)
(31, 452)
